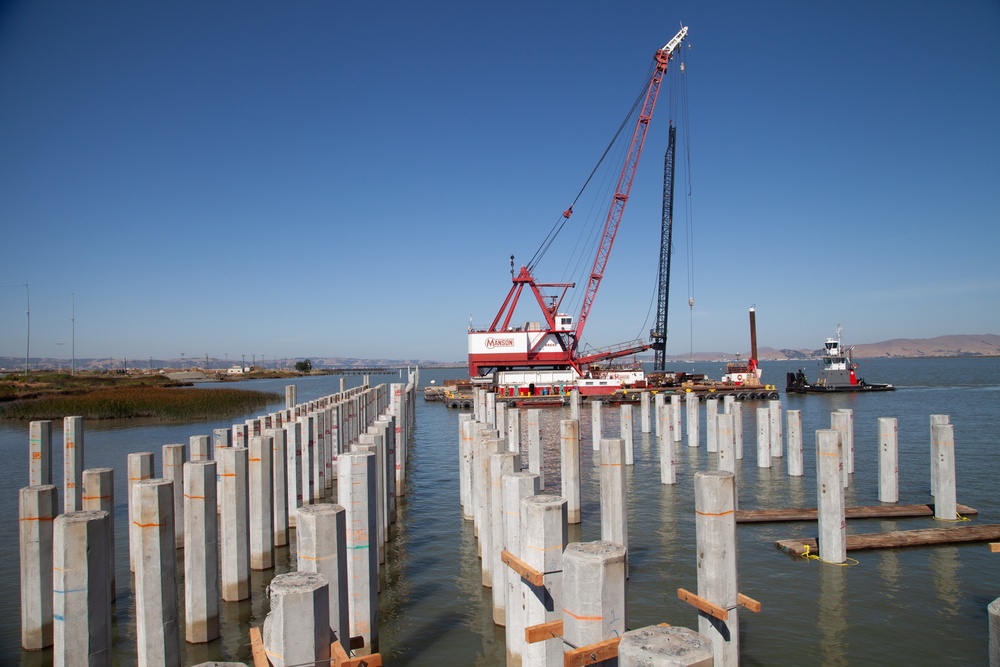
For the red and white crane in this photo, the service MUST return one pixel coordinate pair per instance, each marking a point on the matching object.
(549, 348)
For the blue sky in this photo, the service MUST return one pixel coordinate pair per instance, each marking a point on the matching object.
(350, 179)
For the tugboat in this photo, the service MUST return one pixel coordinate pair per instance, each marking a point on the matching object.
(838, 373)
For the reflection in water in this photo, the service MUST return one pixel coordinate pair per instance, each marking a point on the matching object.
(833, 614)
(945, 566)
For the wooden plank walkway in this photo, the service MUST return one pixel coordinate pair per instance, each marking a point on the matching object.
(868, 512)
(900, 538)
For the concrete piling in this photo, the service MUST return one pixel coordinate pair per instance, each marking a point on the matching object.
(40, 453)
(839, 423)
(830, 501)
(644, 415)
(935, 420)
(945, 503)
(846, 428)
(737, 412)
(543, 538)
(569, 450)
(515, 486)
(322, 548)
(156, 625)
(614, 510)
(795, 458)
(234, 518)
(99, 494)
(307, 457)
(293, 452)
(726, 440)
(994, 613)
(173, 469)
(593, 592)
(514, 430)
(501, 464)
(535, 445)
(675, 413)
(595, 425)
(715, 526)
(81, 608)
(221, 437)
(625, 419)
(73, 463)
(774, 412)
(200, 448)
(665, 441)
(37, 508)
(261, 502)
(658, 646)
(356, 494)
(711, 425)
(201, 555)
(888, 460)
(467, 427)
(297, 628)
(763, 438)
(140, 467)
(693, 424)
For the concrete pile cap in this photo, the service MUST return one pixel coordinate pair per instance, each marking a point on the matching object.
(659, 646)
(598, 551)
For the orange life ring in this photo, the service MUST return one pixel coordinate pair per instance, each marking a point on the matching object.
(739, 378)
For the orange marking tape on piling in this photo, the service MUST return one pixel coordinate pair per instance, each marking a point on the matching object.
(582, 618)
(713, 513)
(37, 518)
(194, 497)
(96, 497)
(147, 525)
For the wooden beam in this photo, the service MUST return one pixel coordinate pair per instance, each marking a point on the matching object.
(747, 603)
(373, 660)
(901, 538)
(866, 512)
(257, 648)
(592, 653)
(543, 631)
(703, 605)
(995, 547)
(528, 573)
(338, 656)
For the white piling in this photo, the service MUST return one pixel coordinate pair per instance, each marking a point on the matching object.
(774, 411)
(726, 440)
(830, 497)
(356, 494)
(173, 469)
(543, 538)
(465, 454)
(665, 442)
(501, 464)
(73, 463)
(993, 610)
(795, 458)
(644, 415)
(595, 424)
(157, 626)
(715, 527)
(593, 592)
(40, 453)
(293, 453)
(261, 502)
(322, 548)
(693, 423)
(935, 420)
(514, 430)
(574, 404)
(945, 501)
(201, 555)
(234, 519)
(569, 457)
(200, 448)
(297, 629)
(535, 445)
(737, 412)
(140, 467)
(515, 486)
(711, 425)
(888, 460)
(99, 494)
(307, 457)
(37, 508)
(839, 423)
(625, 419)
(614, 509)
(81, 608)
(763, 438)
(675, 414)
(279, 481)
(847, 439)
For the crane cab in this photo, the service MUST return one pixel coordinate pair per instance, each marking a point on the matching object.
(564, 322)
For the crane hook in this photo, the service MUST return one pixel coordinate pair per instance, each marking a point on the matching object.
(568, 212)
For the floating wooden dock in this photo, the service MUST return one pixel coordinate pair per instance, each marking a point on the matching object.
(867, 512)
(900, 538)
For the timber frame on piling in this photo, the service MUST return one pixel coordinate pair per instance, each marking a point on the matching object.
(338, 656)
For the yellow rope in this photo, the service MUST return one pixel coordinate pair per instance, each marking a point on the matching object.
(960, 518)
(809, 556)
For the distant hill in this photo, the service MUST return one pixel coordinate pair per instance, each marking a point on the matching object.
(971, 345)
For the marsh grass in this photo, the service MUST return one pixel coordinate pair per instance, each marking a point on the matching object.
(157, 402)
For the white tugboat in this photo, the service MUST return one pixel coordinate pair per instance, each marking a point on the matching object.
(838, 373)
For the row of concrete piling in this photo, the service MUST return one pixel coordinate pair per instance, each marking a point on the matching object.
(228, 500)
(490, 458)
(563, 603)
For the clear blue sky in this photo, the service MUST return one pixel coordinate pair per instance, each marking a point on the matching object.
(350, 179)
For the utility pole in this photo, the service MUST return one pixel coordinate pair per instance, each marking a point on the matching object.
(27, 345)
(73, 320)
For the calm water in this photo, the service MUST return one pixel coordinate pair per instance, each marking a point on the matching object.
(910, 606)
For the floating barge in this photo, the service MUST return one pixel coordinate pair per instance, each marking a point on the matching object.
(867, 512)
(900, 538)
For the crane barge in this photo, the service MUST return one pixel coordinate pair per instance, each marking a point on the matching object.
(542, 357)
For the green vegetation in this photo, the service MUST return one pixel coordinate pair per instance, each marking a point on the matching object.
(303, 366)
(53, 396)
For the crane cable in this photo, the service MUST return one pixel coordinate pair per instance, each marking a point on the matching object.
(561, 221)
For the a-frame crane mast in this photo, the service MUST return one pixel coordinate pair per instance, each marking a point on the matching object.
(658, 336)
